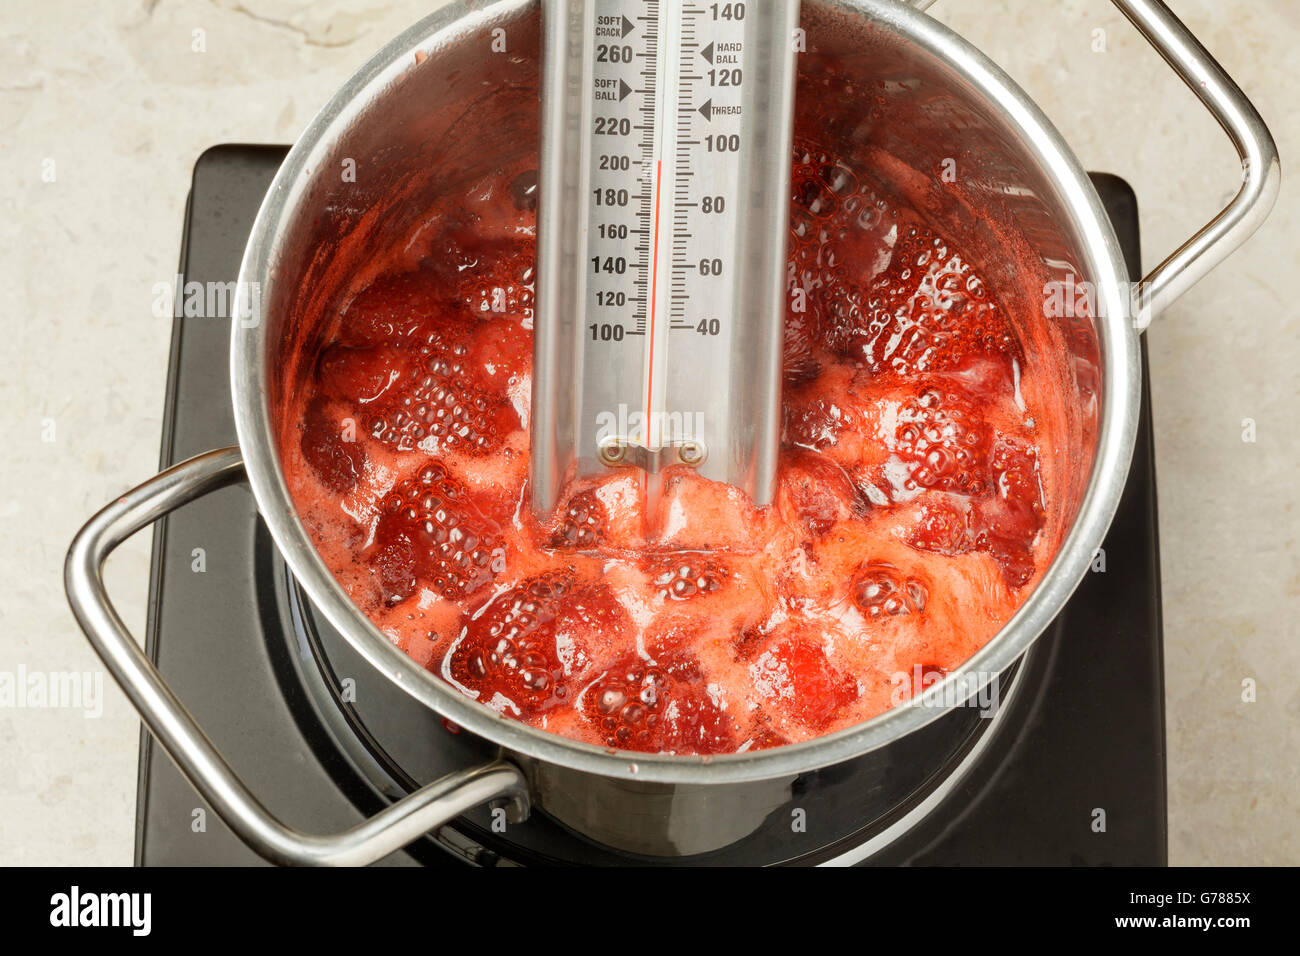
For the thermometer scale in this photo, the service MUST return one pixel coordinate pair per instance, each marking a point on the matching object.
(666, 129)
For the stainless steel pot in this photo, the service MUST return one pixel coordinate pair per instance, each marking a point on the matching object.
(397, 119)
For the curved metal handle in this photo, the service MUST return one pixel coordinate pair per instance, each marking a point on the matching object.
(390, 829)
(1261, 169)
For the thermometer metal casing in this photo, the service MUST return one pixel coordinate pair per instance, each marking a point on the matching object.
(663, 214)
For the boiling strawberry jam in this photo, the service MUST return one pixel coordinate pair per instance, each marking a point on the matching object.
(907, 528)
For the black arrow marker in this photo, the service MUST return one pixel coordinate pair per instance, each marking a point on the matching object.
(707, 110)
(628, 26)
(623, 90)
(707, 53)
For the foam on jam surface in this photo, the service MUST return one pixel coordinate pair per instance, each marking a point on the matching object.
(907, 529)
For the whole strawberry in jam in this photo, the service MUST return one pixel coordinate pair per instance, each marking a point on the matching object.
(329, 445)
(391, 310)
(1007, 523)
(362, 375)
(581, 523)
(944, 442)
(432, 533)
(880, 590)
(1003, 521)
(818, 492)
(420, 370)
(659, 707)
(927, 311)
(446, 399)
(682, 575)
(797, 678)
(943, 527)
(486, 276)
(525, 644)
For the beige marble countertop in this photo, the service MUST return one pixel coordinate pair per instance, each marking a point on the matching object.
(113, 104)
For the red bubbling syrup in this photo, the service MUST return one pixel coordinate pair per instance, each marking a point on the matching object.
(907, 529)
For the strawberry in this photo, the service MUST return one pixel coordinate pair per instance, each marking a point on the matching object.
(1003, 521)
(447, 398)
(392, 561)
(796, 676)
(361, 375)
(501, 351)
(433, 532)
(337, 461)
(581, 523)
(765, 738)
(1007, 523)
(1015, 476)
(818, 491)
(485, 277)
(886, 293)
(682, 575)
(836, 414)
(879, 589)
(924, 676)
(670, 634)
(509, 646)
(528, 642)
(814, 421)
(424, 369)
(392, 310)
(927, 311)
(661, 707)
(943, 528)
(822, 210)
(944, 441)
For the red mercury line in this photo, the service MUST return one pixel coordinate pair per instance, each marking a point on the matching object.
(654, 289)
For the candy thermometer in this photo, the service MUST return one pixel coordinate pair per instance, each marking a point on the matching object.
(665, 168)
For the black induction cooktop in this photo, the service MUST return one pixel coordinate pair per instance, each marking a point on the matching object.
(1072, 772)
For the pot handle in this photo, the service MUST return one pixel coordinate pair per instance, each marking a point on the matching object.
(196, 756)
(1261, 170)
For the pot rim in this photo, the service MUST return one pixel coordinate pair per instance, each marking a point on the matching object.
(1121, 377)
